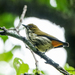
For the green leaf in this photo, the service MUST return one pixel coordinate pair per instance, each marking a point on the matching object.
(4, 38)
(20, 66)
(42, 72)
(70, 69)
(6, 56)
(34, 70)
(24, 68)
(16, 47)
(38, 72)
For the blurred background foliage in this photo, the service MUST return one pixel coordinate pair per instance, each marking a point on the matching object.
(62, 14)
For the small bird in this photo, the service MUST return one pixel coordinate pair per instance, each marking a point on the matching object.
(41, 40)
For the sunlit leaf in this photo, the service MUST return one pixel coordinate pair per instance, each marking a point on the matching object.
(20, 66)
(24, 68)
(38, 72)
(4, 37)
(42, 72)
(16, 47)
(6, 56)
(70, 69)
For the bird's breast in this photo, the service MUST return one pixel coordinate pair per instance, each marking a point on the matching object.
(43, 44)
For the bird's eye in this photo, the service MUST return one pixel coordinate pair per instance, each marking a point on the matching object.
(30, 26)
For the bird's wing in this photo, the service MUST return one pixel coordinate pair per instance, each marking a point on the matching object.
(55, 42)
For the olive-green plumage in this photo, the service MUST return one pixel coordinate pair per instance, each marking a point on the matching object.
(41, 40)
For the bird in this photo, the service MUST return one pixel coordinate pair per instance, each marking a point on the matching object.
(42, 41)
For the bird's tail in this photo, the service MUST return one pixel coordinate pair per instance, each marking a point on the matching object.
(57, 44)
(66, 44)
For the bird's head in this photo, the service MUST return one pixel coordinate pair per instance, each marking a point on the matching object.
(31, 27)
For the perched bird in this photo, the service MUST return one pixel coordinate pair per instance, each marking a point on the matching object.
(41, 40)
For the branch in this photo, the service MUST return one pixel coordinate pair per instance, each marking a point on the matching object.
(22, 16)
(30, 45)
(21, 20)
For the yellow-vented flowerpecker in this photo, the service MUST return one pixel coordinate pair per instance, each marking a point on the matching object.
(41, 40)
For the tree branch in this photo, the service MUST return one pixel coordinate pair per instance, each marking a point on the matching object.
(30, 45)
(22, 16)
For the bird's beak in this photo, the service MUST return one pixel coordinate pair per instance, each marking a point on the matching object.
(24, 25)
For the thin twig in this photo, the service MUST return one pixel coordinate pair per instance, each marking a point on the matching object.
(21, 20)
(36, 62)
(22, 16)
